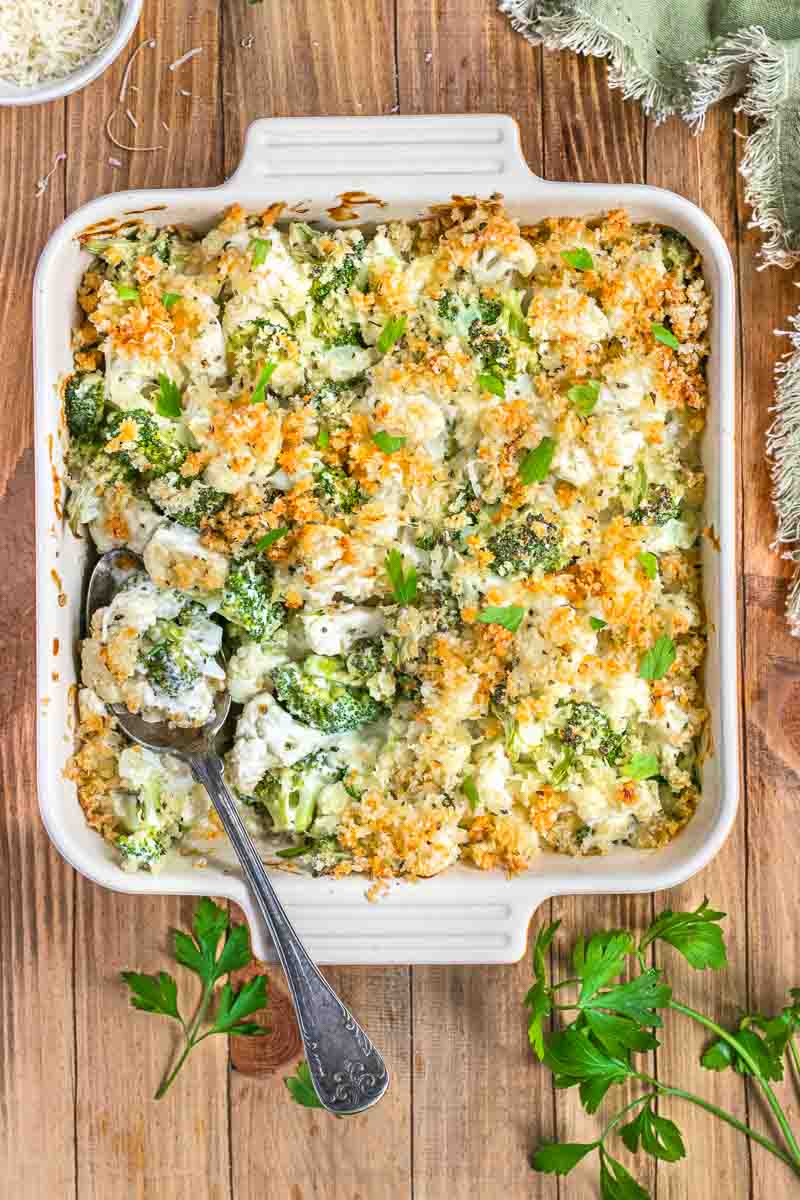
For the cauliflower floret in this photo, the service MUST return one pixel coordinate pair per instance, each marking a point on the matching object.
(336, 631)
(268, 736)
(249, 669)
(176, 557)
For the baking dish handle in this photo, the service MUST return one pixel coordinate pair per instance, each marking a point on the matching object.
(469, 154)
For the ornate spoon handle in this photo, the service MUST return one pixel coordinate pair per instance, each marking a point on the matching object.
(348, 1073)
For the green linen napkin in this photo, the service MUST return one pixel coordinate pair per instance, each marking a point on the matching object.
(678, 57)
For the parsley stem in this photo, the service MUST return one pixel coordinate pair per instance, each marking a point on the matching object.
(616, 1120)
(191, 1038)
(772, 1099)
(564, 983)
(728, 1118)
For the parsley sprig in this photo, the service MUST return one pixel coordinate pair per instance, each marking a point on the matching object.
(616, 1014)
(202, 953)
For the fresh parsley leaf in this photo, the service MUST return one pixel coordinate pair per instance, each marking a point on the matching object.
(536, 463)
(169, 299)
(294, 851)
(259, 392)
(617, 1035)
(696, 935)
(616, 1183)
(559, 1158)
(638, 998)
(575, 1059)
(718, 1056)
(579, 259)
(323, 439)
(470, 790)
(205, 953)
(392, 331)
(599, 960)
(510, 617)
(664, 335)
(657, 1135)
(259, 248)
(168, 401)
(649, 563)
(301, 1089)
(563, 766)
(768, 1060)
(269, 539)
(126, 292)
(233, 1007)
(539, 999)
(199, 953)
(656, 661)
(488, 382)
(641, 766)
(404, 583)
(597, 623)
(385, 442)
(584, 396)
(153, 993)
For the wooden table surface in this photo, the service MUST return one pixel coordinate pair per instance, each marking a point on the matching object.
(77, 1066)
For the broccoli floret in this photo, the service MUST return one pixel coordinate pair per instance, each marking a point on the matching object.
(587, 730)
(677, 253)
(322, 702)
(365, 659)
(258, 339)
(334, 487)
(332, 331)
(247, 601)
(187, 501)
(333, 399)
(490, 310)
(142, 444)
(84, 402)
(120, 252)
(143, 849)
(290, 794)
(520, 547)
(165, 660)
(491, 347)
(337, 277)
(658, 507)
(325, 854)
(448, 308)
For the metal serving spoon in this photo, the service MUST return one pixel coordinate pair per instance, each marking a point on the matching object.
(348, 1073)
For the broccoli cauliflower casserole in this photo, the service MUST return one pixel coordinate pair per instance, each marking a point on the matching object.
(427, 500)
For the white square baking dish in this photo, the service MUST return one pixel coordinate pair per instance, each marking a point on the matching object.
(462, 916)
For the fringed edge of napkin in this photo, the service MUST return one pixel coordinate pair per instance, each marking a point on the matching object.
(566, 26)
(752, 63)
(783, 443)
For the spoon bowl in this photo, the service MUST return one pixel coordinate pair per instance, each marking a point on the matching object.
(348, 1073)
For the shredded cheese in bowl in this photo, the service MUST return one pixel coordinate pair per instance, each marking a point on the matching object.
(42, 40)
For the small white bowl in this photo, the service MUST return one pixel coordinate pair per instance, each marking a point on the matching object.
(54, 89)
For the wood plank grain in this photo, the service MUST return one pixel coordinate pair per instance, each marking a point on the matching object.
(462, 56)
(37, 1157)
(305, 1154)
(771, 678)
(314, 58)
(127, 1144)
(590, 133)
(480, 1101)
(310, 58)
(718, 1159)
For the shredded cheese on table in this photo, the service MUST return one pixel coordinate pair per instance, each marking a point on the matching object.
(48, 39)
